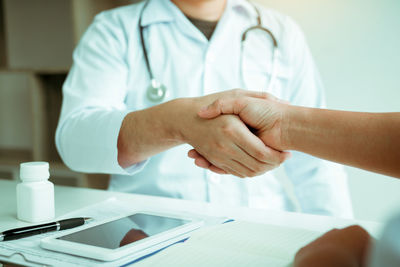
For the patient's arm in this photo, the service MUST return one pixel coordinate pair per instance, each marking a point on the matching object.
(346, 247)
(369, 141)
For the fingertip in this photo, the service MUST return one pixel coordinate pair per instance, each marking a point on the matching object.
(191, 153)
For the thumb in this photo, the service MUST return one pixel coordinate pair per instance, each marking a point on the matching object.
(222, 106)
(211, 111)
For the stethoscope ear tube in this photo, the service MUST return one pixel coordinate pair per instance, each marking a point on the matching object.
(274, 51)
(259, 27)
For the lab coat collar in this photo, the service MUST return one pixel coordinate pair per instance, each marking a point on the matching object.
(243, 7)
(159, 11)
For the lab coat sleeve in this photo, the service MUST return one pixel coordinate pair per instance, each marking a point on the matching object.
(93, 100)
(320, 186)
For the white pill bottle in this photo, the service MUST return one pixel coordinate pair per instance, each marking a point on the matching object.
(35, 195)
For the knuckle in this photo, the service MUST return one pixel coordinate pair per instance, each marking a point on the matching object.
(238, 102)
(262, 155)
(220, 146)
(228, 130)
(217, 103)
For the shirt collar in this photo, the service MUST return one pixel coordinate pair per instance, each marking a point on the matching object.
(159, 11)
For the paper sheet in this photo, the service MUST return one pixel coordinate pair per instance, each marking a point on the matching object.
(236, 244)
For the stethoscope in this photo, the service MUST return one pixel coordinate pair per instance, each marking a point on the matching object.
(157, 91)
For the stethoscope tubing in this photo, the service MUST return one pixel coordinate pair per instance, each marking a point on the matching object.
(156, 91)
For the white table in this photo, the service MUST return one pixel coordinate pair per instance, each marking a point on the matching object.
(68, 199)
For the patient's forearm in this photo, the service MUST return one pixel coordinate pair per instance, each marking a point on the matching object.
(365, 140)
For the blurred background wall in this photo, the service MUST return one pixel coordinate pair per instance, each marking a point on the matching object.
(355, 44)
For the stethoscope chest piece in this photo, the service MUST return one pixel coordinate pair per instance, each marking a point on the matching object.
(156, 91)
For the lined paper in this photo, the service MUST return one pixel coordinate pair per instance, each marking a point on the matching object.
(236, 244)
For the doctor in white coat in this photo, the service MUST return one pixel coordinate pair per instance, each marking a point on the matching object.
(110, 123)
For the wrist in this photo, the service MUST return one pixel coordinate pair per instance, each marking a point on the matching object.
(285, 123)
(176, 116)
(297, 127)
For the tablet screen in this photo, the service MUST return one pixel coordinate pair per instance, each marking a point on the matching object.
(124, 231)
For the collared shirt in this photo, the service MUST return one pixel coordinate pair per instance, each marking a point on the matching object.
(109, 79)
(205, 26)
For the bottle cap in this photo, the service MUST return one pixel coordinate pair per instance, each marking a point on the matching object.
(34, 171)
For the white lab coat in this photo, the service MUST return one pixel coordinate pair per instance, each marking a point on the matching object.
(386, 251)
(109, 78)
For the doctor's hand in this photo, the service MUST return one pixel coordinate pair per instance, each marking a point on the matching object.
(264, 115)
(225, 142)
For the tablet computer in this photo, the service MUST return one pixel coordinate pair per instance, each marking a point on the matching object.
(126, 235)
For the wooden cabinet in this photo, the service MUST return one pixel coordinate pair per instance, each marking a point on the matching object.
(37, 38)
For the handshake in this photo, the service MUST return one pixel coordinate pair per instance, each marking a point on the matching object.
(253, 134)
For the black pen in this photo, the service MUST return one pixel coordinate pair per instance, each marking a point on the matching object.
(42, 228)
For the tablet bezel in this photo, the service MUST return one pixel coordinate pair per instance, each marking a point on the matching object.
(156, 241)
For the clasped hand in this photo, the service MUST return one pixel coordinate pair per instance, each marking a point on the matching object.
(245, 141)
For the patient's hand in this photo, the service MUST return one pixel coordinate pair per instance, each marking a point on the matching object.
(263, 115)
(339, 247)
